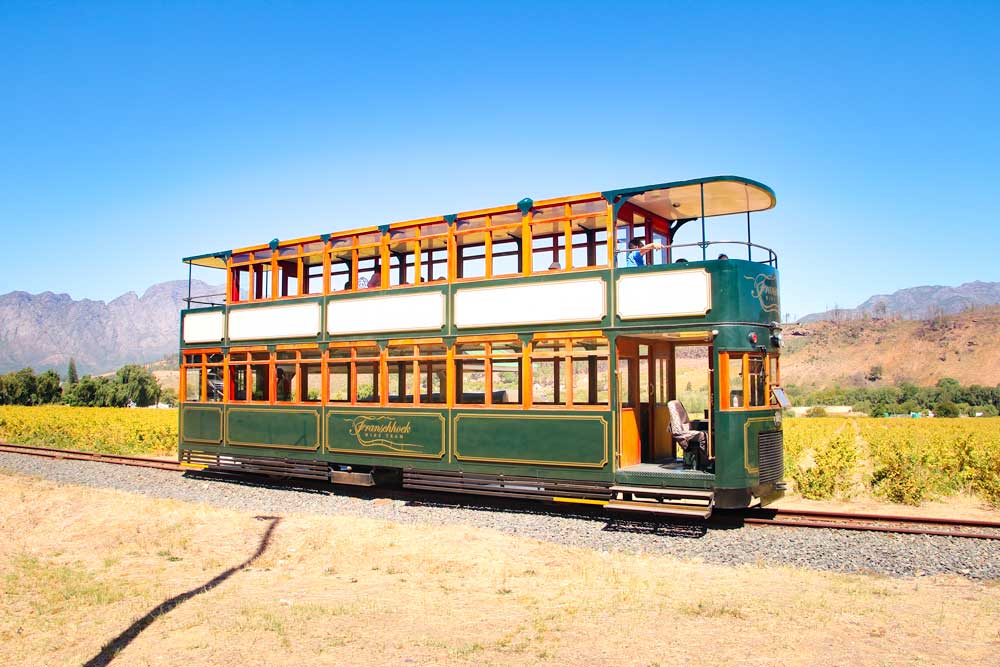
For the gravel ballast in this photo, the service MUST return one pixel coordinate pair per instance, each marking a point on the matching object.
(820, 549)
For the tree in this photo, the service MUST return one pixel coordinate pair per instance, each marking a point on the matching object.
(71, 376)
(22, 388)
(47, 389)
(874, 374)
(137, 385)
(946, 409)
(169, 396)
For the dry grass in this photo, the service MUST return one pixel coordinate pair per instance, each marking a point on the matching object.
(78, 566)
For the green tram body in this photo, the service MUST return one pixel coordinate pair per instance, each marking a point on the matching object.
(545, 453)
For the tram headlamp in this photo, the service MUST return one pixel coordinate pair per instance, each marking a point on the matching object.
(752, 337)
(778, 418)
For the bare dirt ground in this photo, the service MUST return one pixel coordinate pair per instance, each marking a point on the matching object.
(173, 583)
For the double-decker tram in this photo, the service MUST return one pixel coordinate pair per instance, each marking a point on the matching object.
(564, 350)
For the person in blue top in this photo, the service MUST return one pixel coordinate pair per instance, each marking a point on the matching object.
(637, 249)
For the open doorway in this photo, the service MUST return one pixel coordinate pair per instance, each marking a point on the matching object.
(654, 370)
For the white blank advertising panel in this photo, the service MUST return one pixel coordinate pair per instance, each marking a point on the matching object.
(301, 320)
(203, 327)
(668, 294)
(407, 312)
(538, 303)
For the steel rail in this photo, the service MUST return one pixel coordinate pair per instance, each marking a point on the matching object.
(885, 523)
(74, 455)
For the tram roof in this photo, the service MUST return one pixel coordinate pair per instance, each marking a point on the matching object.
(675, 200)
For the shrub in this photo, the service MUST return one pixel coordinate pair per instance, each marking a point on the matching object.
(946, 409)
(816, 411)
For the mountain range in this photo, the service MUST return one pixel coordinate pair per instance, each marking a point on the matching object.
(46, 330)
(917, 303)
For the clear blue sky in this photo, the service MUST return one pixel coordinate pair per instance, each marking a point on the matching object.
(137, 133)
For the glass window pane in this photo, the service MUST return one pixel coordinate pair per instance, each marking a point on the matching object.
(340, 383)
(260, 356)
(367, 373)
(238, 356)
(261, 391)
(590, 381)
(310, 383)
(238, 383)
(625, 398)
(470, 348)
(285, 354)
(549, 381)
(192, 377)
(400, 381)
(213, 390)
(286, 387)
(736, 381)
(339, 353)
(401, 351)
(506, 381)
(758, 381)
(470, 381)
(433, 381)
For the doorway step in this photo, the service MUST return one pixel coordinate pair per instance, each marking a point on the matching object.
(678, 502)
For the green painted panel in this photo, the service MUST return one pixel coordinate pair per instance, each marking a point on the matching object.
(201, 424)
(386, 433)
(736, 446)
(278, 428)
(536, 439)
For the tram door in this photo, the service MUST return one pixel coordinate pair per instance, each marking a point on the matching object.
(645, 384)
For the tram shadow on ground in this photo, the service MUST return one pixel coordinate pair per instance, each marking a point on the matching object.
(618, 522)
(110, 650)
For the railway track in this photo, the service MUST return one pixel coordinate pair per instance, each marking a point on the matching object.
(72, 455)
(974, 529)
(886, 523)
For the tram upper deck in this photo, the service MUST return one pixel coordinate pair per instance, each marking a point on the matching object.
(547, 263)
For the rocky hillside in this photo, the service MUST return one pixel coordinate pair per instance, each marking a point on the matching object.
(918, 303)
(845, 353)
(44, 330)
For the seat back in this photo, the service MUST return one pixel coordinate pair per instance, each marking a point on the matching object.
(679, 420)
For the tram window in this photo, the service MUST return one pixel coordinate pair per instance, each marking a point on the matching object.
(505, 372)
(367, 384)
(758, 381)
(312, 280)
(240, 281)
(288, 277)
(238, 383)
(285, 385)
(548, 373)
(192, 384)
(401, 263)
(548, 247)
(643, 374)
(506, 252)
(433, 262)
(340, 274)
(470, 373)
(432, 366)
(369, 272)
(400, 374)
(260, 374)
(213, 377)
(471, 258)
(736, 381)
(590, 371)
(339, 390)
(626, 398)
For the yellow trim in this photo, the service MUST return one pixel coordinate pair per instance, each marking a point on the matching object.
(365, 452)
(581, 501)
(194, 466)
(570, 464)
(283, 411)
(215, 443)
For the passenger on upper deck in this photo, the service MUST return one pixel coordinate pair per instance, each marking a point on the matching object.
(637, 248)
(376, 279)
